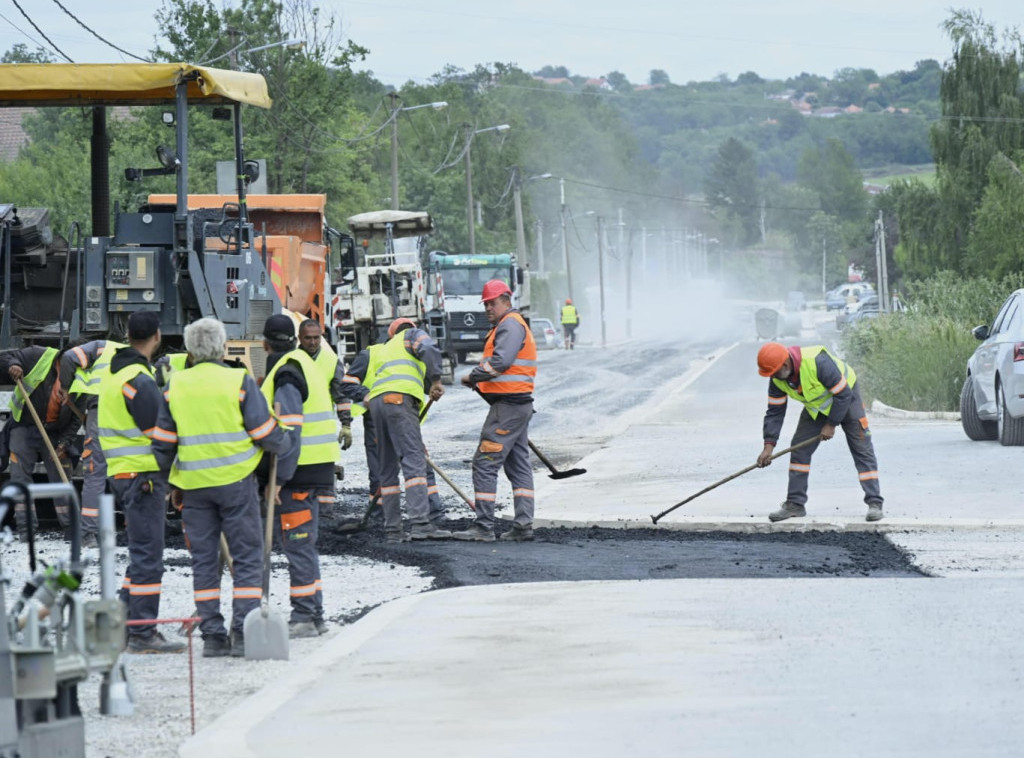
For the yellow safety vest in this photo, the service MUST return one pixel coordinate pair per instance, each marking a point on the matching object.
(326, 361)
(816, 397)
(214, 448)
(396, 370)
(570, 315)
(88, 378)
(32, 380)
(358, 409)
(319, 421)
(175, 362)
(126, 448)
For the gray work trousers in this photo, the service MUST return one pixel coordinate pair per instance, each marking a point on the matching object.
(504, 444)
(235, 510)
(400, 447)
(858, 438)
(28, 448)
(437, 512)
(94, 470)
(296, 526)
(144, 501)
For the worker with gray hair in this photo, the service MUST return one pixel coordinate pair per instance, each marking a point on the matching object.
(211, 433)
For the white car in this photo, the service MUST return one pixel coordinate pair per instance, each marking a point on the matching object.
(992, 398)
(545, 334)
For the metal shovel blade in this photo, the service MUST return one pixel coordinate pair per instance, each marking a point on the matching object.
(567, 474)
(266, 636)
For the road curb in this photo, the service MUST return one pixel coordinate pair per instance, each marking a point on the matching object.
(879, 408)
(760, 525)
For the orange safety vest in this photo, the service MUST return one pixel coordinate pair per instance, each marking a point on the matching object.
(518, 378)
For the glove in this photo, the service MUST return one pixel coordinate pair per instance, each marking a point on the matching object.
(345, 437)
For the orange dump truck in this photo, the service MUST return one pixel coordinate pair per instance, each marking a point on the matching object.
(289, 234)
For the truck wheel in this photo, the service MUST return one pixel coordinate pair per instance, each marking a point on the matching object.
(460, 356)
(974, 427)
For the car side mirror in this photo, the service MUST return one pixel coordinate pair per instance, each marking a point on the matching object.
(981, 332)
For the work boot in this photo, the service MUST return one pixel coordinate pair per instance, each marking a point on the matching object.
(518, 534)
(89, 542)
(787, 510)
(475, 533)
(216, 646)
(874, 512)
(428, 531)
(321, 626)
(237, 644)
(395, 536)
(302, 629)
(154, 642)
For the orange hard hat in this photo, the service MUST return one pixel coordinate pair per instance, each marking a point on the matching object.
(494, 288)
(770, 358)
(568, 301)
(393, 327)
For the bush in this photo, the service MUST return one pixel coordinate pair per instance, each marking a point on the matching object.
(917, 360)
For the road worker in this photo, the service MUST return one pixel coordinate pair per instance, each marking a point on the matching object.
(570, 322)
(294, 384)
(211, 433)
(505, 379)
(827, 389)
(358, 381)
(82, 369)
(407, 362)
(129, 402)
(38, 369)
(311, 340)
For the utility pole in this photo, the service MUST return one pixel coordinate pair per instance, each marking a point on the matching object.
(469, 190)
(565, 238)
(600, 274)
(643, 256)
(824, 262)
(394, 150)
(517, 185)
(540, 247)
(883, 264)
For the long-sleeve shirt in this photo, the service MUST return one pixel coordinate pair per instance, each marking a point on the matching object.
(352, 386)
(509, 338)
(57, 419)
(830, 377)
(79, 356)
(419, 345)
(255, 414)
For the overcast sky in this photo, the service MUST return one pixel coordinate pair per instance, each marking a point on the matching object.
(412, 39)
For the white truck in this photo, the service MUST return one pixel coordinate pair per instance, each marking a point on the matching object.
(455, 314)
(381, 278)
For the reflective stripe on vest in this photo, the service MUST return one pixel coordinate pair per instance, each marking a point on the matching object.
(372, 364)
(570, 315)
(126, 449)
(88, 378)
(519, 377)
(397, 370)
(214, 448)
(32, 380)
(816, 397)
(319, 420)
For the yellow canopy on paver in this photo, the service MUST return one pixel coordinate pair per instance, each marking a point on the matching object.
(87, 84)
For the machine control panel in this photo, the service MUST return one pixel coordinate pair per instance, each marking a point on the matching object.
(131, 269)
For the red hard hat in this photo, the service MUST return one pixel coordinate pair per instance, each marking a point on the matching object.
(770, 358)
(568, 301)
(393, 327)
(494, 288)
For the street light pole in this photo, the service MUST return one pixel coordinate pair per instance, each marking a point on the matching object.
(565, 239)
(395, 110)
(517, 186)
(470, 133)
(600, 274)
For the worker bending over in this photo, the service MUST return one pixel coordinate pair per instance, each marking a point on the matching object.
(827, 389)
(505, 379)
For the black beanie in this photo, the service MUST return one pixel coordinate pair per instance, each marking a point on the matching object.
(143, 325)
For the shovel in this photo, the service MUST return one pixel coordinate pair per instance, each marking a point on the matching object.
(266, 633)
(729, 478)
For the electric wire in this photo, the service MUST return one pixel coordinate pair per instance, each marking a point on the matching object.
(41, 32)
(97, 36)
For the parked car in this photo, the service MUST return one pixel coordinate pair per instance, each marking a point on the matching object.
(545, 334)
(837, 298)
(992, 398)
(852, 312)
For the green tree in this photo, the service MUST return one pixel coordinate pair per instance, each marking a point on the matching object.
(658, 76)
(830, 172)
(731, 188)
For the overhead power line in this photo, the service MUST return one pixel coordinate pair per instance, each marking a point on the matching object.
(79, 21)
(41, 32)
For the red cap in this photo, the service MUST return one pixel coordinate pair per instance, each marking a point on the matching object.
(770, 358)
(393, 327)
(568, 301)
(494, 288)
